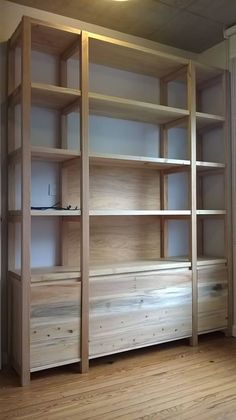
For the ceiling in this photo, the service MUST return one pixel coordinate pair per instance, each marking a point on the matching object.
(193, 25)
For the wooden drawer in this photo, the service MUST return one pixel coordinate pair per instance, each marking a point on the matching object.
(55, 324)
(212, 298)
(135, 310)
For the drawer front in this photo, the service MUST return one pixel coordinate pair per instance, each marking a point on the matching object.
(136, 310)
(55, 324)
(212, 298)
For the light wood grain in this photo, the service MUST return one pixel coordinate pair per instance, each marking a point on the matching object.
(191, 84)
(116, 239)
(131, 311)
(55, 324)
(213, 298)
(25, 200)
(83, 246)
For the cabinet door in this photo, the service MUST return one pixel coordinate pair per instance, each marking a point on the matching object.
(55, 324)
(212, 298)
(136, 310)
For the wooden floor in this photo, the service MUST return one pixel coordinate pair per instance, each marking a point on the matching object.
(172, 381)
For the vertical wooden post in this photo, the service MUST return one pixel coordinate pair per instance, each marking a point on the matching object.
(84, 120)
(25, 199)
(191, 81)
(228, 196)
(163, 190)
(63, 118)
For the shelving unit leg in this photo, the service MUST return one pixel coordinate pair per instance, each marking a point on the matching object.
(25, 199)
(191, 86)
(84, 117)
(228, 195)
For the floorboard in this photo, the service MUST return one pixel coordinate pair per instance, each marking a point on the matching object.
(170, 381)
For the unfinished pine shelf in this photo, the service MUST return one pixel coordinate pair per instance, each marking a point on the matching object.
(118, 198)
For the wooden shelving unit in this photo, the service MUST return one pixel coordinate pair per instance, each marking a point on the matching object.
(135, 261)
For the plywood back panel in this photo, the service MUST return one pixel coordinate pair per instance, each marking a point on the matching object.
(114, 239)
(55, 323)
(113, 187)
(130, 311)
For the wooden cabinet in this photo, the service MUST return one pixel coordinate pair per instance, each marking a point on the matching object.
(137, 310)
(119, 197)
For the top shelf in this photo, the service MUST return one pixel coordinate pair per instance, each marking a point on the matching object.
(48, 37)
(131, 57)
(139, 59)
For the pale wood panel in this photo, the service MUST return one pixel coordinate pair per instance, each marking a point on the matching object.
(131, 311)
(54, 327)
(213, 298)
(15, 330)
(116, 239)
(124, 188)
(119, 188)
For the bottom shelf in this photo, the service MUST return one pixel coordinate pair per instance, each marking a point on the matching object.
(59, 273)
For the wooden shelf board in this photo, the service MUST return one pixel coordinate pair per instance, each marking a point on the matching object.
(114, 212)
(53, 154)
(48, 96)
(54, 97)
(53, 38)
(139, 266)
(204, 260)
(62, 273)
(204, 120)
(202, 166)
(211, 212)
(137, 161)
(129, 109)
(132, 57)
(51, 212)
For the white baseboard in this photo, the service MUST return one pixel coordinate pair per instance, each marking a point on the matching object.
(234, 330)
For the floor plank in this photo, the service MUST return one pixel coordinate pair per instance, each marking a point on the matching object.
(170, 381)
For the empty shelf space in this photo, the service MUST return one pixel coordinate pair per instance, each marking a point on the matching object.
(129, 109)
(175, 213)
(137, 161)
(48, 96)
(51, 212)
(205, 120)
